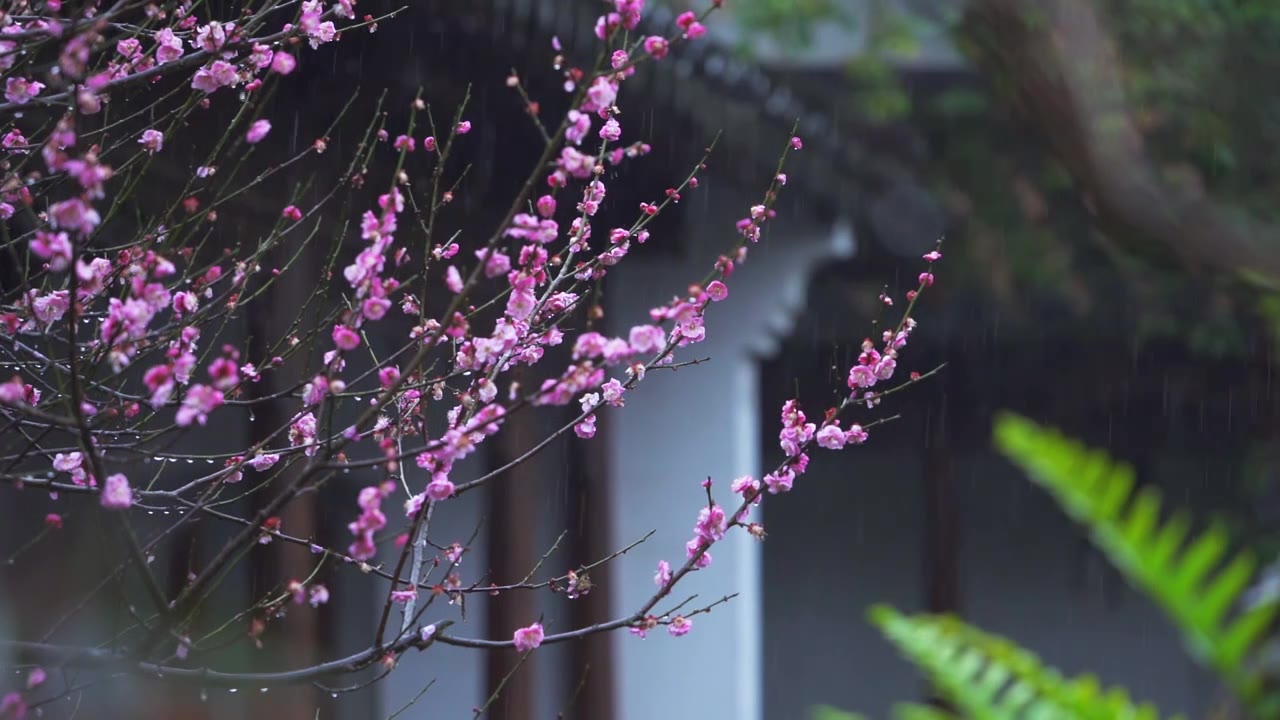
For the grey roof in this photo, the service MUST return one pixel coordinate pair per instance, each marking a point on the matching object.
(847, 164)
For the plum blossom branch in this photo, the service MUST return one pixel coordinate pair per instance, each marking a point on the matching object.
(122, 332)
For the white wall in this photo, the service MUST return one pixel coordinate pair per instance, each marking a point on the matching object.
(677, 429)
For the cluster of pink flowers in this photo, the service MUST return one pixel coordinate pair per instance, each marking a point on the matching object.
(795, 438)
(371, 520)
(456, 443)
(302, 433)
(72, 463)
(371, 289)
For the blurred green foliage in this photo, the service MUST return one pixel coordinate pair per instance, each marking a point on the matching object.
(1199, 82)
(791, 22)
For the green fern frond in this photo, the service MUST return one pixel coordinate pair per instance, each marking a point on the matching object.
(990, 678)
(1195, 580)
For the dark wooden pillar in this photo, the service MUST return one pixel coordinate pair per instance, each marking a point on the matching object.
(941, 513)
(942, 519)
(592, 661)
(512, 542)
(292, 641)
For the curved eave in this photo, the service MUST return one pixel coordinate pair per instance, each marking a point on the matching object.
(846, 161)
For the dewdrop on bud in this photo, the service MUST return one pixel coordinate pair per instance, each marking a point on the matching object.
(402, 177)
(418, 104)
(513, 80)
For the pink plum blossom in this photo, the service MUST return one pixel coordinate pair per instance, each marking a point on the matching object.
(440, 488)
(780, 481)
(264, 462)
(662, 578)
(680, 625)
(656, 46)
(12, 705)
(211, 37)
(168, 46)
(257, 131)
(185, 303)
(453, 279)
(528, 638)
(151, 140)
(116, 493)
(344, 338)
(218, 74)
(198, 403)
(831, 437)
(21, 91)
(303, 432)
(856, 435)
(55, 248)
(283, 63)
